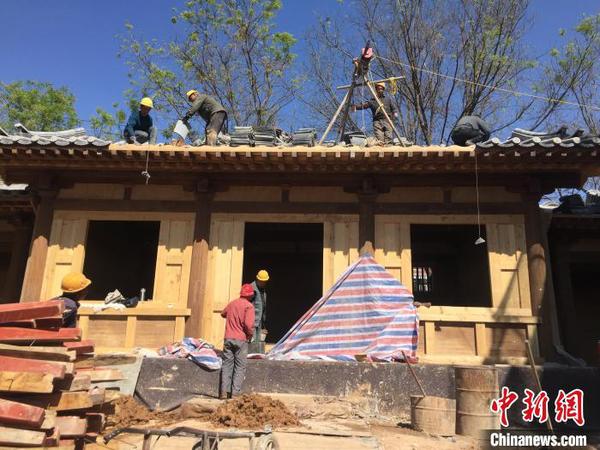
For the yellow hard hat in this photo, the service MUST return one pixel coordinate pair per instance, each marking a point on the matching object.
(74, 282)
(262, 275)
(147, 101)
(190, 92)
(382, 84)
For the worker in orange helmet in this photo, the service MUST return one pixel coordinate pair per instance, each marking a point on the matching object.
(75, 287)
(239, 326)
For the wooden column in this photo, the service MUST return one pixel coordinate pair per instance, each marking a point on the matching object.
(367, 197)
(36, 262)
(18, 259)
(199, 263)
(540, 275)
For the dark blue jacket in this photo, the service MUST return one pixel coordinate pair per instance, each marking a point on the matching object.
(138, 122)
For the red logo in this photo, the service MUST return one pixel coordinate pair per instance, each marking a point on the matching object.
(501, 405)
(535, 406)
(569, 407)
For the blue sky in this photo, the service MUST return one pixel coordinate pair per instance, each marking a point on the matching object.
(73, 43)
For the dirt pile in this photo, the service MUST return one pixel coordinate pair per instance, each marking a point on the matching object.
(253, 411)
(128, 412)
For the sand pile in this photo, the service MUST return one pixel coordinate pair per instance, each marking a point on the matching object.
(130, 413)
(253, 411)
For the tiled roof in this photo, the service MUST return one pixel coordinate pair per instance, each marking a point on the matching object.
(54, 140)
(572, 142)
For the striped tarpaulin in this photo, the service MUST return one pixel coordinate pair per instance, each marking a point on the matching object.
(366, 312)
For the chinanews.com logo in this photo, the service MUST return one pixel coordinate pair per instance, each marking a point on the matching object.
(568, 407)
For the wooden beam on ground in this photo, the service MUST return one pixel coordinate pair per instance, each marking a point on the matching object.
(55, 368)
(26, 382)
(60, 401)
(102, 374)
(23, 311)
(95, 422)
(85, 346)
(70, 426)
(21, 438)
(23, 335)
(45, 353)
(15, 413)
(73, 383)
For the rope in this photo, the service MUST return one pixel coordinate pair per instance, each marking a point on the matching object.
(494, 88)
(479, 240)
(145, 173)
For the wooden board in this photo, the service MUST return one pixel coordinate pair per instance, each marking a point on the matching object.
(22, 311)
(46, 323)
(21, 438)
(45, 353)
(25, 382)
(80, 347)
(100, 374)
(60, 401)
(95, 422)
(73, 383)
(23, 335)
(55, 368)
(20, 414)
(70, 426)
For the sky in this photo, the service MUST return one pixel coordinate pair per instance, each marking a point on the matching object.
(74, 43)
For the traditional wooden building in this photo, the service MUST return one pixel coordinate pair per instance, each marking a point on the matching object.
(208, 217)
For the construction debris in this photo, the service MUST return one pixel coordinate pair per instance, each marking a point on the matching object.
(45, 399)
(254, 411)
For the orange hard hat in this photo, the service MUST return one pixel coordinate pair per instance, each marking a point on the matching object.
(74, 282)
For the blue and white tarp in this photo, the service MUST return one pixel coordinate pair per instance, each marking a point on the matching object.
(367, 314)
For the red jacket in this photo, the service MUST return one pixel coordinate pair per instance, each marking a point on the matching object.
(239, 320)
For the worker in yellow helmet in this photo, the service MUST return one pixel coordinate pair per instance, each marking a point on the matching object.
(75, 287)
(140, 128)
(211, 110)
(260, 310)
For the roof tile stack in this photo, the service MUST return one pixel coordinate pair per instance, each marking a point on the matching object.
(47, 398)
(242, 136)
(305, 136)
(265, 136)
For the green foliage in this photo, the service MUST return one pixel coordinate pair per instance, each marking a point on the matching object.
(107, 125)
(226, 48)
(37, 105)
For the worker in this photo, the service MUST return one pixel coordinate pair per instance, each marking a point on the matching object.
(469, 130)
(239, 326)
(139, 128)
(381, 126)
(210, 110)
(260, 307)
(75, 287)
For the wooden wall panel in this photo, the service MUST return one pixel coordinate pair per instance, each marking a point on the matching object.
(452, 339)
(506, 340)
(172, 275)
(508, 265)
(66, 252)
(160, 192)
(392, 248)
(340, 249)
(412, 195)
(249, 194)
(321, 194)
(491, 194)
(154, 332)
(107, 331)
(93, 191)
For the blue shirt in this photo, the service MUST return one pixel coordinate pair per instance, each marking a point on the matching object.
(138, 122)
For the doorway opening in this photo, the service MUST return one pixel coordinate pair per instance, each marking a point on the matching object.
(292, 253)
(448, 268)
(121, 255)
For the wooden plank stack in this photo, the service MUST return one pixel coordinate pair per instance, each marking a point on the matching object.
(47, 396)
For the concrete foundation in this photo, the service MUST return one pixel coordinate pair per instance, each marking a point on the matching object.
(165, 383)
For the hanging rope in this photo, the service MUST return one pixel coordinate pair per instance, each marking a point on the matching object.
(145, 173)
(479, 239)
